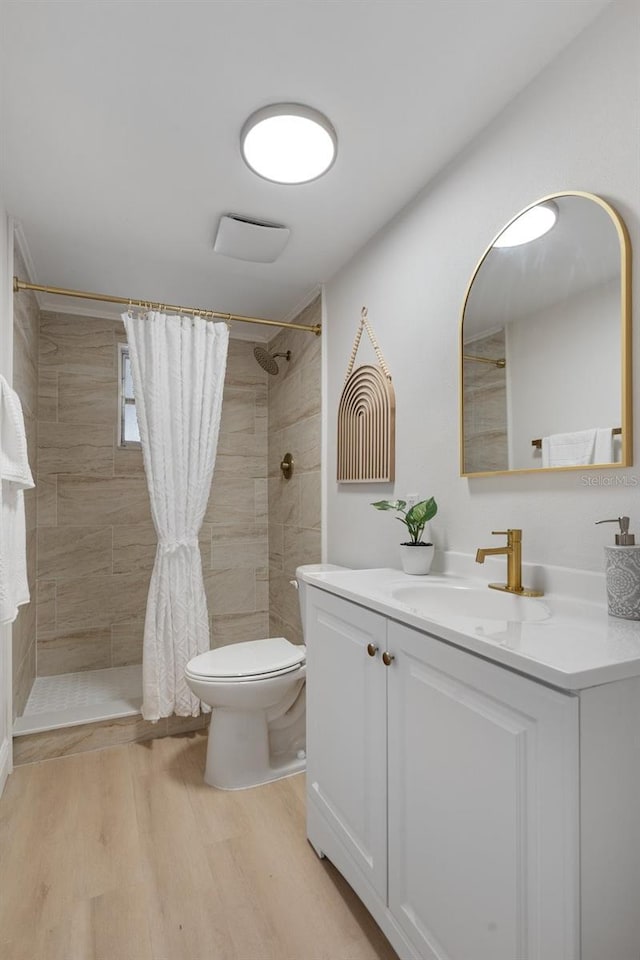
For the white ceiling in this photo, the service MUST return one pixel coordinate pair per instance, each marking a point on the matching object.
(120, 123)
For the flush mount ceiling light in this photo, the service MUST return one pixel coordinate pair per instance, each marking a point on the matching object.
(533, 223)
(288, 143)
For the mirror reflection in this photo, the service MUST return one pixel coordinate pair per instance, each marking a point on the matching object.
(545, 331)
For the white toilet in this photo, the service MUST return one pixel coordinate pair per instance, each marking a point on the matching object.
(256, 692)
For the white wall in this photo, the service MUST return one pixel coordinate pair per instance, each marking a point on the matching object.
(574, 127)
(564, 372)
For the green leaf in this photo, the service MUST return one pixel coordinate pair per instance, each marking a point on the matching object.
(390, 504)
(421, 512)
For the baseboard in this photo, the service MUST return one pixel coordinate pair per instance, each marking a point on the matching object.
(5, 763)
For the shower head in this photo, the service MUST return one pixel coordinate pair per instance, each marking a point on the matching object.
(267, 360)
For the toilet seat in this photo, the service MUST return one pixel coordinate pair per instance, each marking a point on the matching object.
(249, 660)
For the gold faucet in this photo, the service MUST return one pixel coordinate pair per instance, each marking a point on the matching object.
(513, 551)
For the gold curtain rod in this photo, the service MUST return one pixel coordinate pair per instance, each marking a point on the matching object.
(616, 431)
(158, 305)
(501, 362)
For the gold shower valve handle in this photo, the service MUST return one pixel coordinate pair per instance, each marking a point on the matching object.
(387, 658)
(372, 649)
(286, 465)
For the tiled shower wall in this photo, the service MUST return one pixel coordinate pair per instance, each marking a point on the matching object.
(237, 569)
(96, 541)
(485, 406)
(294, 504)
(25, 381)
(94, 529)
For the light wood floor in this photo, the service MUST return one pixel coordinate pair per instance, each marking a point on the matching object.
(125, 854)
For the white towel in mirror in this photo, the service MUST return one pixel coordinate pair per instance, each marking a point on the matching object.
(603, 452)
(569, 449)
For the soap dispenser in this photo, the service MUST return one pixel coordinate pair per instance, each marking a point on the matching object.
(623, 573)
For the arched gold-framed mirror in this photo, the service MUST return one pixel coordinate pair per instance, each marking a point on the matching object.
(545, 343)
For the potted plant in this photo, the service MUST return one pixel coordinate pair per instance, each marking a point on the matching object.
(416, 555)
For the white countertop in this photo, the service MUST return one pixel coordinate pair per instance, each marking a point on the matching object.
(574, 645)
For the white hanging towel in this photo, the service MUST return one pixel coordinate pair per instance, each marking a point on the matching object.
(569, 449)
(603, 452)
(15, 478)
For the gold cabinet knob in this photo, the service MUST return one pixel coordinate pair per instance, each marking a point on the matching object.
(387, 658)
(372, 649)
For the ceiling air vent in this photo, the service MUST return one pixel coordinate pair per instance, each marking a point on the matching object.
(253, 240)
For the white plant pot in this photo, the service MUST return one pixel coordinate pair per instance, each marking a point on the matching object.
(416, 558)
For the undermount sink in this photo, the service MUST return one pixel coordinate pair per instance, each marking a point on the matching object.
(437, 600)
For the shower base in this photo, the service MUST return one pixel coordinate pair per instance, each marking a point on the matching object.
(75, 712)
(71, 699)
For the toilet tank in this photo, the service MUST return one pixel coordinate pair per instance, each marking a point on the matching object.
(302, 586)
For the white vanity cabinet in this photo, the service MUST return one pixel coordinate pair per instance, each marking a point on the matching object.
(482, 806)
(444, 788)
(347, 734)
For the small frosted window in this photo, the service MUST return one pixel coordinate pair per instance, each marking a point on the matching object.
(128, 432)
(127, 380)
(131, 432)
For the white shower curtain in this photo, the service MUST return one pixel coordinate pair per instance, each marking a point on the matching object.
(178, 366)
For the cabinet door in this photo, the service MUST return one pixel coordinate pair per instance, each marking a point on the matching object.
(483, 808)
(347, 729)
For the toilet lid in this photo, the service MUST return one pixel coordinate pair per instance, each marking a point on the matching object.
(252, 658)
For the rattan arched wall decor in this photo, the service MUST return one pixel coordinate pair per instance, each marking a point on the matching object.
(367, 418)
